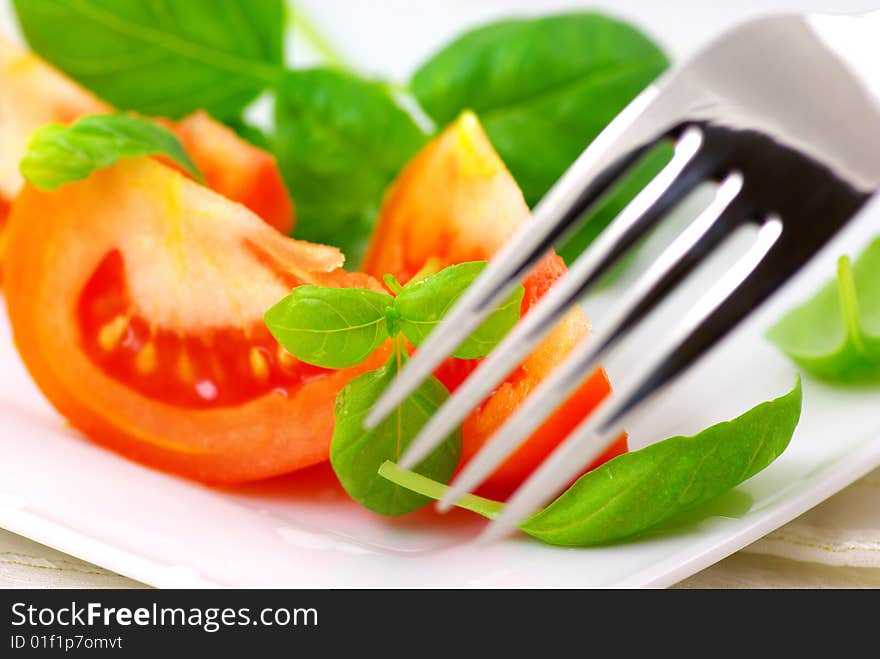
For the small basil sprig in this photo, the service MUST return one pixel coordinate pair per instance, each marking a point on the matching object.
(356, 454)
(836, 335)
(422, 304)
(60, 154)
(341, 327)
(637, 491)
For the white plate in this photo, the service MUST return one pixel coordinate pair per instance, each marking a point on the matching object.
(301, 530)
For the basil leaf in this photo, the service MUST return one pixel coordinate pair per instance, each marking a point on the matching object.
(642, 489)
(60, 154)
(161, 58)
(423, 303)
(330, 327)
(543, 88)
(836, 335)
(340, 141)
(357, 454)
(639, 490)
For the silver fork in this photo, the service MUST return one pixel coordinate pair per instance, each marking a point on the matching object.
(784, 113)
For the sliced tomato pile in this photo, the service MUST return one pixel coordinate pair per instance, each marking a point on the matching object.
(456, 202)
(137, 296)
(33, 94)
(136, 299)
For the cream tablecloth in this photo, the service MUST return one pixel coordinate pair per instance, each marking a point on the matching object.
(835, 545)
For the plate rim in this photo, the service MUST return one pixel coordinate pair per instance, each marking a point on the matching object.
(837, 476)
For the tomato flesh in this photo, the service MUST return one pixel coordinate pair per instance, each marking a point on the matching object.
(540, 279)
(215, 368)
(453, 372)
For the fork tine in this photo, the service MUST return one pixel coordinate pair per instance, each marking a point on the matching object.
(676, 262)
(699, 328)
(640, 215)
(616, 149)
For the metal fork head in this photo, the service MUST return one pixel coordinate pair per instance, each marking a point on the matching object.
(802, 150)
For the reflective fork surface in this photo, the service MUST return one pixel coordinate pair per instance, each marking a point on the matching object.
(785, 113)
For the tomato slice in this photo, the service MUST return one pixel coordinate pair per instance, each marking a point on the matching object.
(33, 94)
(136, 299)
(457, 202)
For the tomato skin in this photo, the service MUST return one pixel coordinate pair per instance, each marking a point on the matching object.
(56, 241)
(4, 216)
(456, 202)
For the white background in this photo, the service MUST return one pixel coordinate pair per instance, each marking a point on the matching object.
(391, 37)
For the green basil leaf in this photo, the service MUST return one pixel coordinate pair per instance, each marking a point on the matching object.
(60, 154)
(639, 490)
(356, 454)
(330, 327)
(423, 303)
(836, 335)
(161, 58)
(340, 141)
(642, 489)
(543, 88)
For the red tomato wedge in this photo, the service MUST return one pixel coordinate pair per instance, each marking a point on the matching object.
(456, 202)
(33, 94)
(136, 299)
